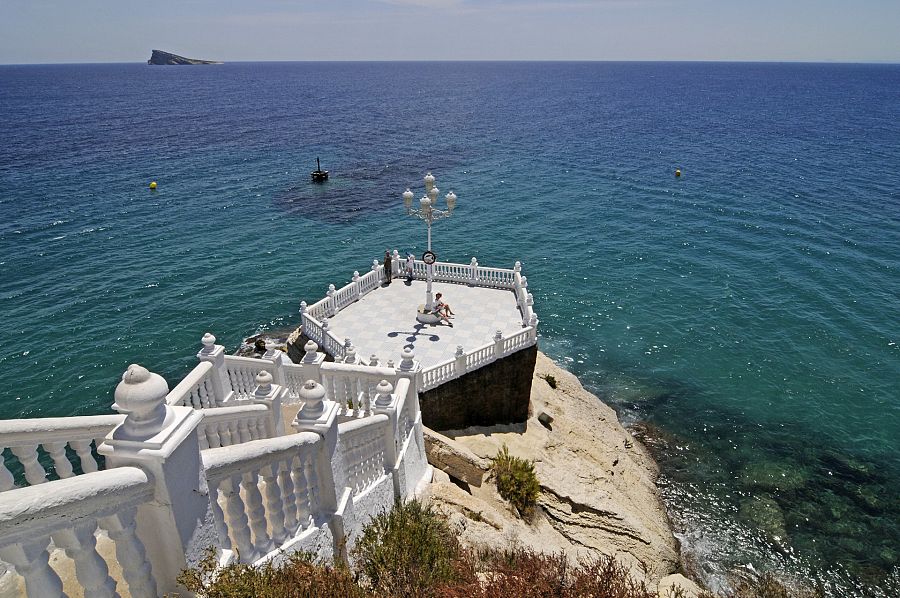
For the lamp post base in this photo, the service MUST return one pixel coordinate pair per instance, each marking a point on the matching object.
(425, 316)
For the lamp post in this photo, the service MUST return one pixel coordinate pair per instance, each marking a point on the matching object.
(429, 212)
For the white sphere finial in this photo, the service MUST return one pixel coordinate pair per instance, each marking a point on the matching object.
(383, 392)
(312, 394)
(263, 383)
(141, 397)
(209, 342)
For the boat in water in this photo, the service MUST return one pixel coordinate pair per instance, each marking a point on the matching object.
(318, 175)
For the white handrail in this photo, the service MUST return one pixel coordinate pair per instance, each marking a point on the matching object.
(196, 389)
(24, 436)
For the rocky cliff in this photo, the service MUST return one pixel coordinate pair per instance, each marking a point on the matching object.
(160, 57)
(598, 491)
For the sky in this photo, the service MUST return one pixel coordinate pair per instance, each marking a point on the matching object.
(60, 31)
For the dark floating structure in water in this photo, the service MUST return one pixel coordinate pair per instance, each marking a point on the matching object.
(318, 175)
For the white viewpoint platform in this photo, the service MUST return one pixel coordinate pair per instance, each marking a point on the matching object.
(383, 322)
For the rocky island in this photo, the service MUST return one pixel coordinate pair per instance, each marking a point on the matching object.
(160, 57)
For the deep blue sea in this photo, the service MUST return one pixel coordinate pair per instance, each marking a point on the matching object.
(745, 315)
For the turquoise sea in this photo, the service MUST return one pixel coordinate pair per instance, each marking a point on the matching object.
(745, 315)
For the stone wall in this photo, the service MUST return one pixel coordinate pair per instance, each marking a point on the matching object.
(495, 394)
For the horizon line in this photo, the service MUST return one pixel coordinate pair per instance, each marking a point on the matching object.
(489, 60)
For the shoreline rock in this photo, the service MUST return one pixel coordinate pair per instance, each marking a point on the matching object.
(598, 492)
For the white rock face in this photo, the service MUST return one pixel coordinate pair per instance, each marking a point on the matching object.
(598, 493)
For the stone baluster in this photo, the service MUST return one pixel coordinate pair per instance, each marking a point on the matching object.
(256, 513)
(32, 562)
(357, 287)
(90, 569)
(215, 354)
(301, 494)
(373, 360)
(498, 344)
(162, 440)
(277, 357)
(130, 553)
(330, 307)
(7, 481)
(274, 505)
(237, 516)
(312, 362)
(288, 496)
(473, 272)
(28, 457)
(57, 451)
(271, 395)
(460, 364)
(82, 449)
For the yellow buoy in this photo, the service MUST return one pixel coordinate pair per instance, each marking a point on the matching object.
(677, 172)
(153, 184)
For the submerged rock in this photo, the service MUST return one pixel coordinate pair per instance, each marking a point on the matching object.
(773, 476)
(764, 513)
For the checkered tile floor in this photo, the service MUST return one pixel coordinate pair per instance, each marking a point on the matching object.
(384, 322)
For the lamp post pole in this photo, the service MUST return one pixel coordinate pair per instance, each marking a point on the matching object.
(429, 212)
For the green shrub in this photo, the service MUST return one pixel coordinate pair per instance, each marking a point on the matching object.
(409, 550)
(551, 380)
(516, 480)
(298, 576)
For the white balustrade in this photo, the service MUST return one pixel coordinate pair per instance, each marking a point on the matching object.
(226, 426)
(242, 373)
(260, 492)
(438, 374)
(79, 506)
(196, 389)
(352, 386)
(363, 445)
(23, 437)
(480, 357)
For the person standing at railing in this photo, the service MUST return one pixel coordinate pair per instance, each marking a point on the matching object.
(387, 266)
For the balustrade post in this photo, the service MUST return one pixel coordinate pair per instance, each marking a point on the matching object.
(412, 370)
(319, 415)
(356, 284)
(349, 352)
(330, 307)
(312, 362)
(373, 360)
(395, 263)
(498, 344)
(517, 267)
(460, 361)
(534, 323)
(277, 358)
(162, 440)
(271, 395)
(215, 354)
(473, 272)
(386, 404)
